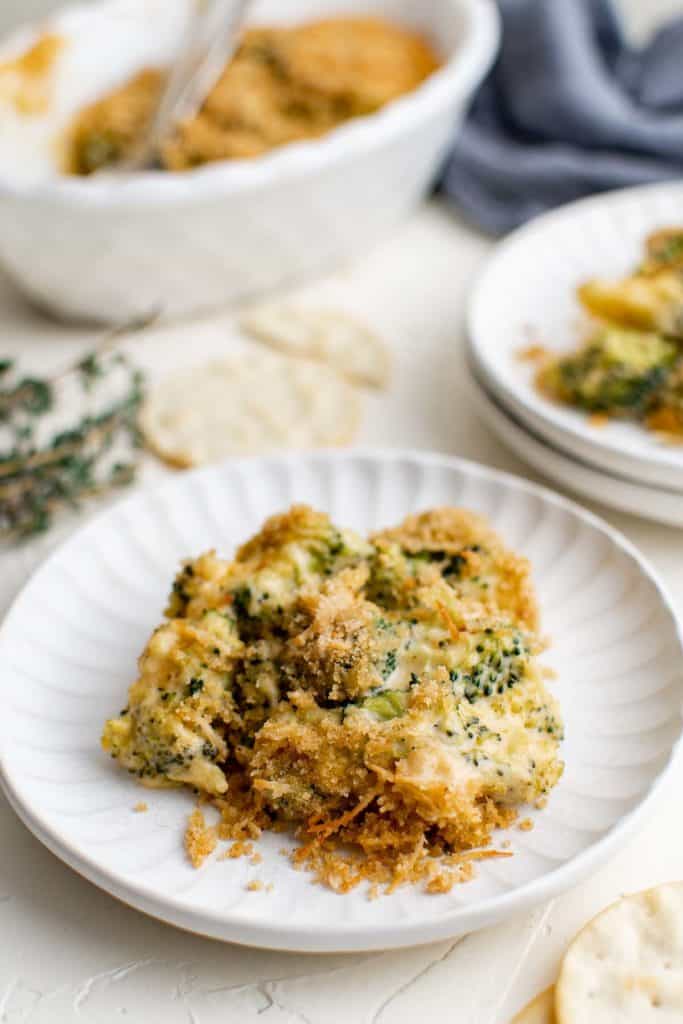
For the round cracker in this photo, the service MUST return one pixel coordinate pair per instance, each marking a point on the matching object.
(325, 335)
(247, 403)
(540, 1010)
(626, 965)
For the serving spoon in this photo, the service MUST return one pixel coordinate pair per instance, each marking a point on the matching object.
(210, 41)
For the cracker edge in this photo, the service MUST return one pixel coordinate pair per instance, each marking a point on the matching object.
(249, 324)
(178, 460)
(560, 1016)
(540, 1010)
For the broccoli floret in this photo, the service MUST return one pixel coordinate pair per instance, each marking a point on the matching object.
(616, 372)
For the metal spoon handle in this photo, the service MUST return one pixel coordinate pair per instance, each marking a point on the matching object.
(210, 42)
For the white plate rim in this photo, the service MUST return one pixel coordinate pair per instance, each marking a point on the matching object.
(597, 459)
(526, 423)
(570, 423)
(634, 498)
(341, 937)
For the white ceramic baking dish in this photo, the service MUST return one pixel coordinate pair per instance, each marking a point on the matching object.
(108, 249)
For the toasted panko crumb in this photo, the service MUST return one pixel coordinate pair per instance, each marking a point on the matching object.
(393, 851)
(451, 530)
(200, 839)
(443, 881)
(256, 858)
(532, 353)
(238, 849)
(256, 885)
(141, 807)
(525, 825)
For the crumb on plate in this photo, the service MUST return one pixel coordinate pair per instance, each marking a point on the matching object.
(200, 839)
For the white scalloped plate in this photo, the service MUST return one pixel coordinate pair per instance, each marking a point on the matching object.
(68, 650)
(529, 284)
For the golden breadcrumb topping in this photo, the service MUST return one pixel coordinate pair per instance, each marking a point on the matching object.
(284, 84)
(200, 839)
(26, 81)
(379, 698)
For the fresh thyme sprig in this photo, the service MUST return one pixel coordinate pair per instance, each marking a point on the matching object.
(42, 470)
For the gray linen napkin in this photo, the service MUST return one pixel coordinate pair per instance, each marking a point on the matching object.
(569, 108)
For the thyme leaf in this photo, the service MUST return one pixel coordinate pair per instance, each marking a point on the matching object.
(44, 471)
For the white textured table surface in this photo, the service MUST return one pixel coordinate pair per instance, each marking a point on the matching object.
(71, 953)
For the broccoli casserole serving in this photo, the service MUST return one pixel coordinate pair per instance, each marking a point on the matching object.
(283, 84)
(381, 698)
(630, 364)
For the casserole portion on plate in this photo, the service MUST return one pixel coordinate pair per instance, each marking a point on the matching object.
(103, 592)
(380, 696)
(630, 364)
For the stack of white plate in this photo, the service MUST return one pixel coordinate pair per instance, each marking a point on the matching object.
(527, 295)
